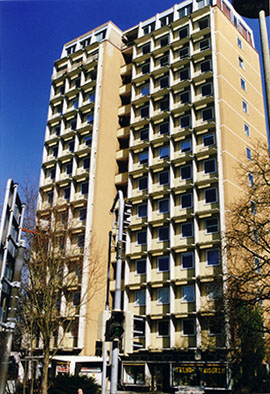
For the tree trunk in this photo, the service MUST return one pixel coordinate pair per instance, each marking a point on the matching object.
(46, 360)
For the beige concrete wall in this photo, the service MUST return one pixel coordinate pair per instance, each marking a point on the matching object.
(104, 184)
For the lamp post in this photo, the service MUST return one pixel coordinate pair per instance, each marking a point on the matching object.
(259, 9)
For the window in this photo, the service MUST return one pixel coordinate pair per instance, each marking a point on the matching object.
(84, 188)
(210, 195)
(186, 172)
(185, 121)
(203, 23)
(77, 82)
(164, 41)
(163, 296)
(213, 291)
(184, 52)
(246, 130)
(212, 256)
(90, 118)
(187, 260)
(253, 207)
(164, 152)
(206, 90)
(163, 329)
(143, 157)
(71, 145)
(144, 111)
(143, 183)
(207, 114)
(163, 205)
(187, 293)
(87, 140)
(58, 109)
(141, 237)
(73, 124)
(91, 97)
(184, 32)
(140, 266)
(244, 106)
(164, 127)
(163, 263)
(188, 327)
(149, 28)
(202, 3)
(164, 82)
(248, 154)
(255, 235)
(164, 178)
(139, 298)
(164, 104)
(145, 89)
(250, 180)
(208, 139)
(69, 168)
(55, 151)
(239, 43)
(204, 44)
(145, 68)
(144, 134)
(76, 298)
(211, 225)
(184, 74)
(209, 166)
(184, 97)
(146, 49)
(205, 66)
(142, 210)
(82, 213)
(100, 35)
(166, 20)
(187, 230)
(186, 201)
(215, 326)
(163, 234)
(241, 63)
(86, 163)
(57, 130)
(80, 240)
(52, 172)
(184, 11)
(50, 197)
(66, 193)
(164, 60)
(243, 84)
(185, 146)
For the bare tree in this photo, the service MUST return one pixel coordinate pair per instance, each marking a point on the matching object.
(248, 253)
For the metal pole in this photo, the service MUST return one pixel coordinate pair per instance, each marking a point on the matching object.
(117, 300)
(11, 318)
(266, 61)
(104, 363)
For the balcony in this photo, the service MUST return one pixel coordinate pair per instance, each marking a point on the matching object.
(122, 154)
(123, 132)
(121, 179)
(124, 110)
(126, 69)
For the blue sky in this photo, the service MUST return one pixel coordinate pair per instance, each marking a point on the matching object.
(32, 34)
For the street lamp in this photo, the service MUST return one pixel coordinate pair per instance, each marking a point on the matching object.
(259, 9)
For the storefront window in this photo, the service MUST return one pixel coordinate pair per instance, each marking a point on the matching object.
(134, 374)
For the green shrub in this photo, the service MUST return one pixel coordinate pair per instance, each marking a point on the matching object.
(71, 384)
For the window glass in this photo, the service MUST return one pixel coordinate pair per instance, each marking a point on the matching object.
(164, 127)
(211, 225)
(164, 82)
(209, 166)
(249, 154)
(164, 178)
(164, 104)
(246, 130)
(163, 329)
(142, 210)
(188, 326)
(140, 266)
(184, 97)
(184, 52)
(144, 111)
(164, 152)
(143, 157)
(164, 41)
(208, 139)
(164, 60)
(69, 168)
(187, 260)
(145, 89)
(184, 74)
(241, 63)
(185, 121)
(67, 193)
(84, 188)
(86, 163)
(239, 43)
(215, 326)
(187, 293)
(186, 172)
(185, 146)
(139, 298)
(146, 49)
(163, 234)
(91, 97)
(244, 106)
(144, 134)
(187, 230)
(243, 84)
(207, 114)
(141, 237)
(205, 66)
(204, 44)
(82, 213)
(163, 263)
(186, 200)
(203, 23)
(250, 180)
(210, 195)
(163, 205)
(183, 32)
(145, 68)
(206, 89)
(163, 296)
(143, 183)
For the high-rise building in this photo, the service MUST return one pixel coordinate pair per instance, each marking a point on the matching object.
(165, 112)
